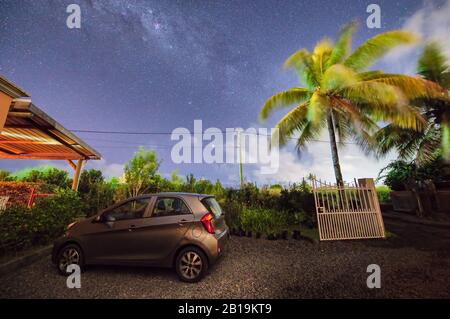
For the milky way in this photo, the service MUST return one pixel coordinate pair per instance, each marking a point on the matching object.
(158, 65)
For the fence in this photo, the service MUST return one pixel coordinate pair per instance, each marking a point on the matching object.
(350, 211)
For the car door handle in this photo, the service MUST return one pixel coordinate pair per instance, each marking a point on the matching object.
(132, 227)
(182, 222)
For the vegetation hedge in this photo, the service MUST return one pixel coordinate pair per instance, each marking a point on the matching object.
(21, 227)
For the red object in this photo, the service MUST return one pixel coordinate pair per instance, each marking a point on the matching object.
(33, 195)
(207, 222)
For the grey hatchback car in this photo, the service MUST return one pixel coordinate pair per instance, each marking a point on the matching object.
(180, 230)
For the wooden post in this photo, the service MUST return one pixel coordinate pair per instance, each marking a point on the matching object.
(76, 174)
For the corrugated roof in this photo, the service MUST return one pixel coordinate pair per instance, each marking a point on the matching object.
(29, 133)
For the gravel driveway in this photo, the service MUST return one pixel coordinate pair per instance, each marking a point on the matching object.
(415, 264)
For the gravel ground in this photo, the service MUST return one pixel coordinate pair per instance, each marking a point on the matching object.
(414, 264)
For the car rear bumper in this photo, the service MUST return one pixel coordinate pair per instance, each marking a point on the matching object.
(222, 243)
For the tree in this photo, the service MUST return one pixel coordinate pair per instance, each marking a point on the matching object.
(48, 175)
(5, 176)
(341, 96)
(433, 141)
(141, 172)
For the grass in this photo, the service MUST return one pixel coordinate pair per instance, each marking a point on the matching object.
(311, 233)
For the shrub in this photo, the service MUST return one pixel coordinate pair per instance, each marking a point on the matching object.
(95, 193)
(52, 176)
(266, 221)
(384, 193)
(21, 227)
(399, 174)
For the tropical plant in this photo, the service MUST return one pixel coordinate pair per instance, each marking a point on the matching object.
(341, 96)
(21, 227)
(52, 176)
(400, 175)
(5, 175)
(141, 172)
(433, 140)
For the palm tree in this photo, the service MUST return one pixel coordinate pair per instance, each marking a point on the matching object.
(433, 141)
(341, 96)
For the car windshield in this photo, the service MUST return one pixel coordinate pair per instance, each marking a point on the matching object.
(213, 206)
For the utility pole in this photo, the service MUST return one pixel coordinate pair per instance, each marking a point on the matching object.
(241, 177)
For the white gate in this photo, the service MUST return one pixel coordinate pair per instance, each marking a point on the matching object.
(351, 211)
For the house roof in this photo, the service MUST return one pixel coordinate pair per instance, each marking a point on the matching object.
(29, 133)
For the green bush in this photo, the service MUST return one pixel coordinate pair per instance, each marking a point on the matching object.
(399, 174)
(384, 193)
(21, 227)
(266, 221)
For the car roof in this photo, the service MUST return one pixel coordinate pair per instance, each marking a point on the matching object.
(174, 194)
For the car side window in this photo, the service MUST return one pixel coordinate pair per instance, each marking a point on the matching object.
(130, 210)
(169, 206)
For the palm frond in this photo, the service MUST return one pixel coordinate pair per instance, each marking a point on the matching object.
(422, 147)
(295, 119)
(432, 64)
(311, 131)
(321, 54)
(351, 123)
(317, 106)
(338, 77)
(301, 61)
(343, 44)
(283, 99)
(377, 46)
(385, 103)
(411, 86)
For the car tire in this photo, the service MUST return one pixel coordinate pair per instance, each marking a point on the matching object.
(191, 264)
(69, 254)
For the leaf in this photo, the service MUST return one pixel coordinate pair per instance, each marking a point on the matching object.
(343, 44)
(301, 61)
(317, 106)
(432, 65)
(294, 120)
(377, 46)
(338, 77)
(411, 86)
(283, 99)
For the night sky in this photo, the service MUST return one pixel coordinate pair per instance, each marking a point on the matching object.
(152, 66)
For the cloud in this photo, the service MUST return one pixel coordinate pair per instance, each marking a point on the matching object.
(108, 170)
(431, 23)
(354, 164)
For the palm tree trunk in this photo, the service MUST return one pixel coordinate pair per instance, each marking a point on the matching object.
(334, 150)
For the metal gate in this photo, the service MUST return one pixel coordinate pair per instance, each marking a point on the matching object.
(351, 211)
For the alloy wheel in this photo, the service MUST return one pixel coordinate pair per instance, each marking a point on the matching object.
(68, 257)
(191, 265)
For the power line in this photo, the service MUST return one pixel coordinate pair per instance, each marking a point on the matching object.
(170, 133)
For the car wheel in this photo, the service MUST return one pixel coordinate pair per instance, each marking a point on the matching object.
(191, 264)
(69, 254)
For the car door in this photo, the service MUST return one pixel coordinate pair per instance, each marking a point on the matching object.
(114, 239)
(160, 234)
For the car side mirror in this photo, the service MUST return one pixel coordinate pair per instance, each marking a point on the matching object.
(97, 219)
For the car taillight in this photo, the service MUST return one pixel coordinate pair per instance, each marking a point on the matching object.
(207, 223)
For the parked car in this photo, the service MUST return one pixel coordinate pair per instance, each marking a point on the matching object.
(180, 230)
